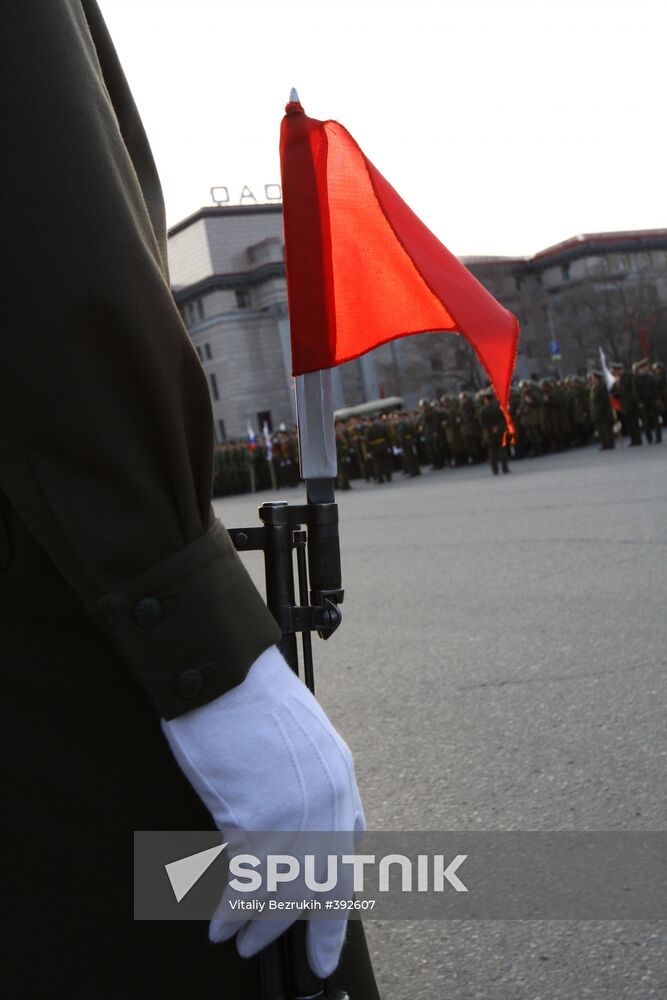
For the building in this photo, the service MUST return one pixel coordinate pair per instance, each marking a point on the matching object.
(604, 290)
(227, 267)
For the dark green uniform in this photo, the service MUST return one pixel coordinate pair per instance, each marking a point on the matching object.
(406, 435)
(577, 396)
(601, 410)
(431, 421)
(529, 417)
(451, 425)
(647, 396)
(470, 428)
(377, 441)
(625, 392)
(494, 427)
(122, 599)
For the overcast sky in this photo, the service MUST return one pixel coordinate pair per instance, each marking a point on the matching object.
(507, 125)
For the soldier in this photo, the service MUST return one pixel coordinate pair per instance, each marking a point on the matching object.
(555, 425)
(431, 420)
(470, 428)
(377, 440)
(423, 450)
(577, 395)
(356, 430)
(601, 410)
(529, 416)
(625, 393)
(262, 468)
(494, 426)
(406, 434)
(518, 447)
(647, 395)
(143, 688)
(451, 425)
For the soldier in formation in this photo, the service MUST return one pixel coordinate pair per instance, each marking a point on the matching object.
(494, 427)
(406, 433)
(549, 415)
(625, 393)
(647, 397)
(378, 442)
(601, 410)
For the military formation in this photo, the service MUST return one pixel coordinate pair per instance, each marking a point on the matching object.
(549, 415)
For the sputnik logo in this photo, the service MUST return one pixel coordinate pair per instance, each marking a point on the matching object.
(186, 872)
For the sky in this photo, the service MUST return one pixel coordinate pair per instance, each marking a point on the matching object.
(506, 125)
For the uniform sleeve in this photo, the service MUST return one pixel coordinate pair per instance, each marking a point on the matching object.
(106, 435)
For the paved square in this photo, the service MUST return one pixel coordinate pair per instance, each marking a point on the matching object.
(501, 665)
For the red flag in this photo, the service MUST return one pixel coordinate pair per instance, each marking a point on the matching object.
(362, 269)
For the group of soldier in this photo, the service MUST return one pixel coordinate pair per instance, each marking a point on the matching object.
(548, 415)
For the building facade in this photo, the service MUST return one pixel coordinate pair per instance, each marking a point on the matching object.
(227, 268)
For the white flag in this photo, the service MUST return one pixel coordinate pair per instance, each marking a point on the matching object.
(267, 440)
(609, 379)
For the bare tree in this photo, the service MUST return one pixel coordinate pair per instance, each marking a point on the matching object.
(612, 311)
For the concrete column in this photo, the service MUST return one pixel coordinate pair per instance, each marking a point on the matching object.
(369, 379)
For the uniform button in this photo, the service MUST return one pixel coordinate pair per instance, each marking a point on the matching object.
(147, 612)
(189, 684)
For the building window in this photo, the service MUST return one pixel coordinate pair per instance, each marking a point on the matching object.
(222, 433)
(530, 348)
(242, 298)
(565, 271)
(214, 386)
(192, 311)
(207, 352)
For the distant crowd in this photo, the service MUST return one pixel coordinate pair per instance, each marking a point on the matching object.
(548, 415)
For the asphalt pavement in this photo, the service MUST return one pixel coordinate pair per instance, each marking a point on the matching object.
(501, 666)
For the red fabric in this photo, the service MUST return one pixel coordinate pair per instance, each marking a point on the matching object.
(361, 267)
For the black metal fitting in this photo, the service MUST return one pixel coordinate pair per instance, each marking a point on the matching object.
(283, 531)
(311, 531)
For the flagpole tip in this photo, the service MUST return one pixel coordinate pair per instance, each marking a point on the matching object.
(293, 96)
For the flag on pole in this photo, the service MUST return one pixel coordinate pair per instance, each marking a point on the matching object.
(363, 270)
(267, 441)
(609, 380)
(251, 438)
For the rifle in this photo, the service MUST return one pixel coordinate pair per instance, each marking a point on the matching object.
(308, 532)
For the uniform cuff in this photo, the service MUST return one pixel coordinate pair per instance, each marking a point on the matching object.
(190, 627)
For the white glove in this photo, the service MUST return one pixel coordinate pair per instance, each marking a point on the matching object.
(264, 756)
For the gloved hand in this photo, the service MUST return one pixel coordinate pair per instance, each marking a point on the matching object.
(264, 756)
